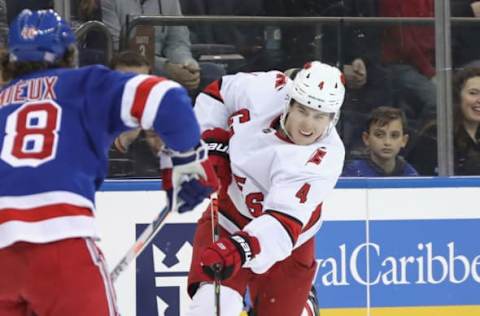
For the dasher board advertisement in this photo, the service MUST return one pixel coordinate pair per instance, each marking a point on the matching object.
(386, 247)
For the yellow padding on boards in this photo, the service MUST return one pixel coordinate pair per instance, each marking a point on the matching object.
(473, 310)
(343, 311)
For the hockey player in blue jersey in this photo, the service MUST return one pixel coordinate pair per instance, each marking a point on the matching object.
(56, 125)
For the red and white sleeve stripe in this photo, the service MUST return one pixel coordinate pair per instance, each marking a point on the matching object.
(141, 98)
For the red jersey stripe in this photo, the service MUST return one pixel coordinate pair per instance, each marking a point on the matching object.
(213, 90)
(141, 96)
(314, 218)
(292, 225)
(42, 213)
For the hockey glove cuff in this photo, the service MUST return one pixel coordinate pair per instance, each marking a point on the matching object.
(190, 179)
(224, 258)
(217, 143)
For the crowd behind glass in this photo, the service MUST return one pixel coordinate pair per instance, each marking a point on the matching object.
(388, 121)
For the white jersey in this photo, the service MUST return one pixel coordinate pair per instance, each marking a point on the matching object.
(277, 186)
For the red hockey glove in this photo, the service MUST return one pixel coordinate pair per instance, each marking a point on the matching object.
(224, 258)
(188, 178)
(217, 143)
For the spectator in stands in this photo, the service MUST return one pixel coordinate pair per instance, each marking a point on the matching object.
(92, 47)
(355, 48)
(3, 36)
(240, 36)
(173, 57)
(466, 137)
(130, 61)
(238, 45)
(384, 137)
(134, 152)
(3, 24)
(86, 10)
(408, 51)
(3, 53)
(465, 45)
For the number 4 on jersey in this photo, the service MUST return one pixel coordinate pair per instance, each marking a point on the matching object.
(303, 192)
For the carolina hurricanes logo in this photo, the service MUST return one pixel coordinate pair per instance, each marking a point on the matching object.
(317, 156)
(29, 32)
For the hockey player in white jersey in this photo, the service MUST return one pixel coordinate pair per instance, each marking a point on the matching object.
(56, 125)
(285, 157)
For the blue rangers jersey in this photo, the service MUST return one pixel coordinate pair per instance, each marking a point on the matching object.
(56, 127)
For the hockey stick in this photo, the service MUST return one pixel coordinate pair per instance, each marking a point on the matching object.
(140, 244)
(215, 238)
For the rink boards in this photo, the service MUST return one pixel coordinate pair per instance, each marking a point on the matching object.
(387, 247)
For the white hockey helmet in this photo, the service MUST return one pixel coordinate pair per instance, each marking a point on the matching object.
(318, 86)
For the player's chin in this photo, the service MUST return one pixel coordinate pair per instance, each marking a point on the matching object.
(303, 140)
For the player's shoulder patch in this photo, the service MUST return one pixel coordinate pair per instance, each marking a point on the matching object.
(317, 155)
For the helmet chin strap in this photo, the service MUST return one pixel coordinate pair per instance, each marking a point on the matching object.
(283, 120)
